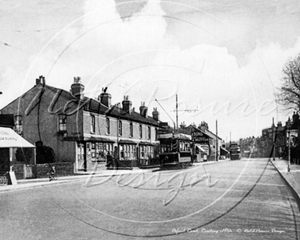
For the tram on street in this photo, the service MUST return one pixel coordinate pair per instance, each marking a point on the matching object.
(175, 150)
(235, 151)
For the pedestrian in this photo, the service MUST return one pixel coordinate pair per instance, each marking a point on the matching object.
(115, 158)
(109, 159)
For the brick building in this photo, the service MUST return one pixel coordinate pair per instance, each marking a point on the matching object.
(81, 129)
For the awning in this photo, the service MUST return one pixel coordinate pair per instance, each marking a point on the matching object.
(200, 148)
(10, 139)
(224, 149)
(146, 143)
(175, 136)
(125, 141)
(88, 139)
(98, 139)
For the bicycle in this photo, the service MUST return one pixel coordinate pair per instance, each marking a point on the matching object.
(52, 173)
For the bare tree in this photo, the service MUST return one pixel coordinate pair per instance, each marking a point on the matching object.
(289, 92)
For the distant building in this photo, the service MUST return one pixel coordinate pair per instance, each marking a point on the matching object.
(81, 129)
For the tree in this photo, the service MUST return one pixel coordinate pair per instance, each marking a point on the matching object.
(289, 92)
(24, 155)
(44, 154)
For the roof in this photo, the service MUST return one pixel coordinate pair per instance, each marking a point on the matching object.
(94, 106)
(10, 139)
(90, 104)
(117, 112)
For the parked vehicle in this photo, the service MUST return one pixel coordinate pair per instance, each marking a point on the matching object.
(175, 150)
(235, 151)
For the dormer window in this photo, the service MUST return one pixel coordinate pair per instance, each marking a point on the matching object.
(62, 123)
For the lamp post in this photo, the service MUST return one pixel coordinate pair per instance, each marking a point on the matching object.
(288, 126)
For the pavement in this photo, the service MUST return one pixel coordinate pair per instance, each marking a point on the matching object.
(101, 171)
(291, 177)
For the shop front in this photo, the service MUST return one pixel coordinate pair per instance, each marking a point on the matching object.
(92, 152)
(148, 154)
(201, 150)
(9, 140)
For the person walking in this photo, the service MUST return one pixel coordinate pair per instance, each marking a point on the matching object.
(109, 159)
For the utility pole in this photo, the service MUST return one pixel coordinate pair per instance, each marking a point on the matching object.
(176, 111)
(274, 146)
(217, 151)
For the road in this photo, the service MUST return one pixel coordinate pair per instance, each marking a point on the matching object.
(244, 199)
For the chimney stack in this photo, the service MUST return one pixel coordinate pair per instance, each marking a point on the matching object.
(77, 88)
(127, 104)
(143, 109)
(155, 114)
(40, 80)
(105, 98)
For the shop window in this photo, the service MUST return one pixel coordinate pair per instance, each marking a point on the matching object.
(107, 126)
(133, 152)
(62, 123)
(93, 124)
(18, 124)
(122, 152)
(142, 151)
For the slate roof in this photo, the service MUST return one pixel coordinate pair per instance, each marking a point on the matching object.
(94, 106)
(117, 112)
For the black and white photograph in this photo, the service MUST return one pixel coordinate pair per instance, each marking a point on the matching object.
(149, 119)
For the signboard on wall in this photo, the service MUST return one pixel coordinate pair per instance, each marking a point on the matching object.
(293, 136)
(200, 137)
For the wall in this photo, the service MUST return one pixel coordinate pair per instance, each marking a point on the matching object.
(62, 169)
(40, 120)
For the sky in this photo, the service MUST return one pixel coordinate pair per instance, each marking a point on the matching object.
(222, 58)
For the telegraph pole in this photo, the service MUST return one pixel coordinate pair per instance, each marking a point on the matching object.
(217, 140)
(176, 111)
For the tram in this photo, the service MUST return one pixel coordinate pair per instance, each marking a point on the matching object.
(175, 150)
(235, 151)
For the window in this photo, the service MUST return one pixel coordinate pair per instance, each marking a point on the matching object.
(122, 152)
(93, 124)
(107, 126)
(62, 123)
(18, 124)
(131, 129)
(149, 132)
(141, 131)
(120, 128)
(155, 134)
(142, 151)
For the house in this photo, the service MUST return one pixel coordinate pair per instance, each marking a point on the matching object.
(206, 143)
(82, 130)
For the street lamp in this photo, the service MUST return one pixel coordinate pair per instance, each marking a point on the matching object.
(288, 126)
